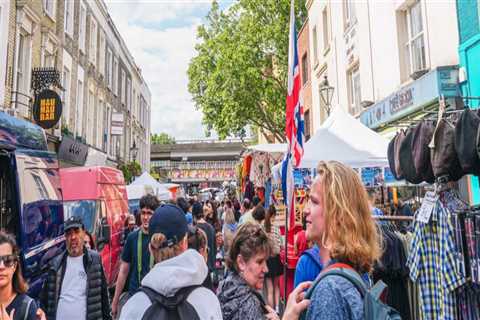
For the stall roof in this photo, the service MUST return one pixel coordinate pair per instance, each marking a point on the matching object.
(146, 180)
(345, 139)
(269, 147)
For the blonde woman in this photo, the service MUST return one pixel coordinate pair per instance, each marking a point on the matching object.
(177, 270)
(339, 218)
(228, 230)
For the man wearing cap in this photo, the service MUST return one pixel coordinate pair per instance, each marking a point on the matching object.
(136, 260)
(176, 267)
(75, 287)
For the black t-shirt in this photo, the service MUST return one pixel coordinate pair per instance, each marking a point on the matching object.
(17, 305)
(212, 245)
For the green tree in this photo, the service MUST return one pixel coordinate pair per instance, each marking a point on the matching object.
(131, 170)
(162, 138)
(239, 74)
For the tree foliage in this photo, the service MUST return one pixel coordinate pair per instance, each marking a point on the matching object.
(131, 170)
(238, 76)
(162, 138)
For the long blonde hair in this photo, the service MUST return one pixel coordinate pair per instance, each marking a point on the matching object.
(161, 252)
(350, 234)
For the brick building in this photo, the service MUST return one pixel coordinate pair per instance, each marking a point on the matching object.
(99, 77)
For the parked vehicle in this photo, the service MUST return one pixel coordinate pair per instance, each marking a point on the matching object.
(101, 200)
(99, 196)
(30, 196)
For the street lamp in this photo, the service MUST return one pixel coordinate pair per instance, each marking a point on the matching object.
(134, 151)
(326, 94)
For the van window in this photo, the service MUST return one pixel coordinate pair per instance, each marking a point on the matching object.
(86, 209)
(8, 204)
(42, 221)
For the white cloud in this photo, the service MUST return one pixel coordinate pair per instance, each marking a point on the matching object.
(161, 36)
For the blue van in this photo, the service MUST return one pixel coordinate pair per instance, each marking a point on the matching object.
(30, 196)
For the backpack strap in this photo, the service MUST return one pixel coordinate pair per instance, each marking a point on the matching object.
(24, 309)
(176, 307)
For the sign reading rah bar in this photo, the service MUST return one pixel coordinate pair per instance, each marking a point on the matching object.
(441, 81)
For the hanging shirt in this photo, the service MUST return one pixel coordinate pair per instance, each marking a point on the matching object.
(72, 302)
(432, 265)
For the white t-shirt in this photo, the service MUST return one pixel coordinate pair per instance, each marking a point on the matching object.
(72, 303)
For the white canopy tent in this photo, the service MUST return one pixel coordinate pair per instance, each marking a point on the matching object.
(141, 186)
(345, 139)
(269, 147)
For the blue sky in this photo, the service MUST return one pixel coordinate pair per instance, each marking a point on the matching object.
(161, 36)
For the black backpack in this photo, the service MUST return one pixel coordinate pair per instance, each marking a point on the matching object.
(171, 308)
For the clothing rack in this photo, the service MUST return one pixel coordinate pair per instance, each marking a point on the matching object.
(395, 218)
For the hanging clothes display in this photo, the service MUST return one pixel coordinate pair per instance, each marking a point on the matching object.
(260, 169)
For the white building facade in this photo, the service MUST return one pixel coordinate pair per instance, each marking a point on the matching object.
(371, 50)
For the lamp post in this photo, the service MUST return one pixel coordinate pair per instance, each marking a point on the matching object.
(134, 151)
(326, 94)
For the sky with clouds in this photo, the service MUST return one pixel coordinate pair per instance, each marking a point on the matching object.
(161, 36)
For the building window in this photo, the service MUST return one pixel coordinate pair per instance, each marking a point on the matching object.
(315, 45)
(129, 94)
(108, 68)
(326, 30)
(349, 13)
(115, 76)
(308, 125)
(48, 57)
(99, 126)
(68, 22)
(90, 123)
(304, 69)
(93, 41)
(415, 46)
(49, 7)
(101, 54)
(355, 95)
(123, 84)
(79, 112)
(22, 94)
(66, 96)
(82, 27)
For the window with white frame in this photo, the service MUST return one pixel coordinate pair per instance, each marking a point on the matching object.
(129, 94)
(326, 29)
(93, 41)
(108, 68)
(79, 111)
(68, 18)
(66, 96)
(82, 27)
(48, 56)
(101, 53)
(49, 6)
(349, 13)
(355, 94)
(115, 76)
(123, 84)
(99, 126)
(22, 85)
(415, 46)
(315, 45)
(90, 124)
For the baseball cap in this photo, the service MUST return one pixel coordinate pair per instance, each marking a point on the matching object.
(169, 220)
(73, 222)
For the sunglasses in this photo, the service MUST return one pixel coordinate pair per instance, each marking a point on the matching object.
(8, 260)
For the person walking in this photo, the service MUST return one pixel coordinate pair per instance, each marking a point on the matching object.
(136, 260)
(199, 212)
(338, 217)
(274, 263)
(228, 229)
(75, 287)
(129, 226)
(247, 260)
(177, 271)
(15, 304)
(247, 211)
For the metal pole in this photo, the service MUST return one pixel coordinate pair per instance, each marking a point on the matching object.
(285, 266)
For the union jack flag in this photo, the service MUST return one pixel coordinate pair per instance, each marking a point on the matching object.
(295, 124)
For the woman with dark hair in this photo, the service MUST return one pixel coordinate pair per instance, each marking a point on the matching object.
(211, 215)
(197, 240)
(14, 303)
(199, 212)
(247, 261)
(89, 242)
(275, 267)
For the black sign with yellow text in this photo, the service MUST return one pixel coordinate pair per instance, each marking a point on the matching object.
(47, 109)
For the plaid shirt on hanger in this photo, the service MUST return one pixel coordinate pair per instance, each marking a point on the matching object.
(432, 265)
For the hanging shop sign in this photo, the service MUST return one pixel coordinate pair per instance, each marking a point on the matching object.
(47, 109)
(442, 81)
(73, 151)
(117, 124)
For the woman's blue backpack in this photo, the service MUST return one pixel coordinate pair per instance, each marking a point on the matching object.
(374, 308)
